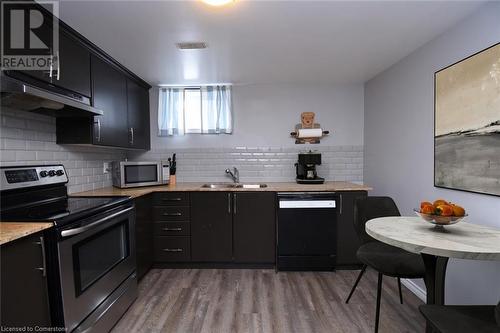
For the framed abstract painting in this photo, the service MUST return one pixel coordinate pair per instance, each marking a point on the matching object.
(467, 124)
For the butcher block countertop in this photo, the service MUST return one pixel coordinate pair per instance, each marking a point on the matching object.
(10, 231)
(197, 187)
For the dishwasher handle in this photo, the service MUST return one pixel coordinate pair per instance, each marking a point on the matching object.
(293, 204)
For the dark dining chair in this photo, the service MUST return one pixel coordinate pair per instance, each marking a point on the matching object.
(462, 318)
(385, 259)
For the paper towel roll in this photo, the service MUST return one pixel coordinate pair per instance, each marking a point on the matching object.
(310, 133)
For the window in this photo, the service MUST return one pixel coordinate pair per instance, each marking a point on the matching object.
(201, 110)
(192, 110)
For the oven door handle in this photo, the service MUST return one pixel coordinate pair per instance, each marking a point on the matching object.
(76, 231)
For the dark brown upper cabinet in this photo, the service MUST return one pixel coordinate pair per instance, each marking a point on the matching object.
(85, 72)
(138, 116)
(109, 88)
(74, 65)
(71, 72)
(125, 106)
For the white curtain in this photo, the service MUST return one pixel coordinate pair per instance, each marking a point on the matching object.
(216, 110)
(215, 113)
(170, 112)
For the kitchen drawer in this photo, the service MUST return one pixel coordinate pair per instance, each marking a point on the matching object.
(172, 249)
(171, 199)
(172, 228)
(171, 213)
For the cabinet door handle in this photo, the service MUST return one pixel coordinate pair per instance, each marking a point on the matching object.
(172, 229)
(172, 214)
(235, 210)
(229, 203)
(171, 199)
(58, 75)
(51, 66)
(172, 250)
(98, 123)
(44, 262)
(340, 204)
(131, 135)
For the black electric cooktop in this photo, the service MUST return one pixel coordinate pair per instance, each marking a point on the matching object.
(62, 211)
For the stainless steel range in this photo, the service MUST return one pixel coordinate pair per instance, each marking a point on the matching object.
(90, 252)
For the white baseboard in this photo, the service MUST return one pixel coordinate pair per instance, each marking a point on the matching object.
(414, 288)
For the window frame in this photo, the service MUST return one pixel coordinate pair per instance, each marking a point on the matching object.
(227, 128)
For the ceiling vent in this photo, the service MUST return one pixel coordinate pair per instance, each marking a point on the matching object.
(191, 45)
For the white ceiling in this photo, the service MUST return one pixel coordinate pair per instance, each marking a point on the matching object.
(253, 42)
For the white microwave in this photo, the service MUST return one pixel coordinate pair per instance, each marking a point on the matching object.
(127, 174)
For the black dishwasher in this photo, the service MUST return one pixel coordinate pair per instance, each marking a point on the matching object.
(307, 231)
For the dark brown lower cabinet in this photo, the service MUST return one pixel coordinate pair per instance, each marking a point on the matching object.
(232, 228)
(143, 235)
(24, 295)
(347, 238)
(211, 227)
(254, 233)
(172, 249)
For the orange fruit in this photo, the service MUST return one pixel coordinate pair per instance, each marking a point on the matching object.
(444, 210)
(458, 211)
(425, 203)
(440, 202)
(428, 209)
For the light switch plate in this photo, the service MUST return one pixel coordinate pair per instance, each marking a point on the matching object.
(106, 168)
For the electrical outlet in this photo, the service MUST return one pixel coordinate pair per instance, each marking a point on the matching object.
(106, 168)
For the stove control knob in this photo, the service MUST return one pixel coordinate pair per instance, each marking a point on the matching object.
(52, 173)
(43, 174)
(59, 173)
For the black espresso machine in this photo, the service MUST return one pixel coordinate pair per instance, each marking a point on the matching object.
(306, 168)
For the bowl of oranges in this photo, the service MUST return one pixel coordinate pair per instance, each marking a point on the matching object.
(441, 212)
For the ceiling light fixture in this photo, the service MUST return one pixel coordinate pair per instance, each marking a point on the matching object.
(217, 2)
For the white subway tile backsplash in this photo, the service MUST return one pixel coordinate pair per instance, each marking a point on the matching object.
(8, 155)
(14, 144)
(8, 121)
(259, 164)
(44, 156)
(25, 155)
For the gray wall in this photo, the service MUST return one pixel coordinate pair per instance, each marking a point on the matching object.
(265, 114)
(399, 115)
(261, 146)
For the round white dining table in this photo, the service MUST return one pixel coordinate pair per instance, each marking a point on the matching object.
(436, 245)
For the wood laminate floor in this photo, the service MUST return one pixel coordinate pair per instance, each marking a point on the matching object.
(256, 300)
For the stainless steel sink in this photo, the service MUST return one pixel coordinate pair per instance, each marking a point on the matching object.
(232, 185)
(219, 185)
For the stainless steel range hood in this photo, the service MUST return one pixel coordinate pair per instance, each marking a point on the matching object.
(20, 95)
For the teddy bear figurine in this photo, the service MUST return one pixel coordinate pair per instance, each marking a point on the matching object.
(306, 122)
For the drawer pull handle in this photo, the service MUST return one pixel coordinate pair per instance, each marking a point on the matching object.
(172, 250)
(172, 229)
(172, 214)
(171, 199)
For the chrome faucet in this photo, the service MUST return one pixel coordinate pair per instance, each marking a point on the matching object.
(235, 174)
